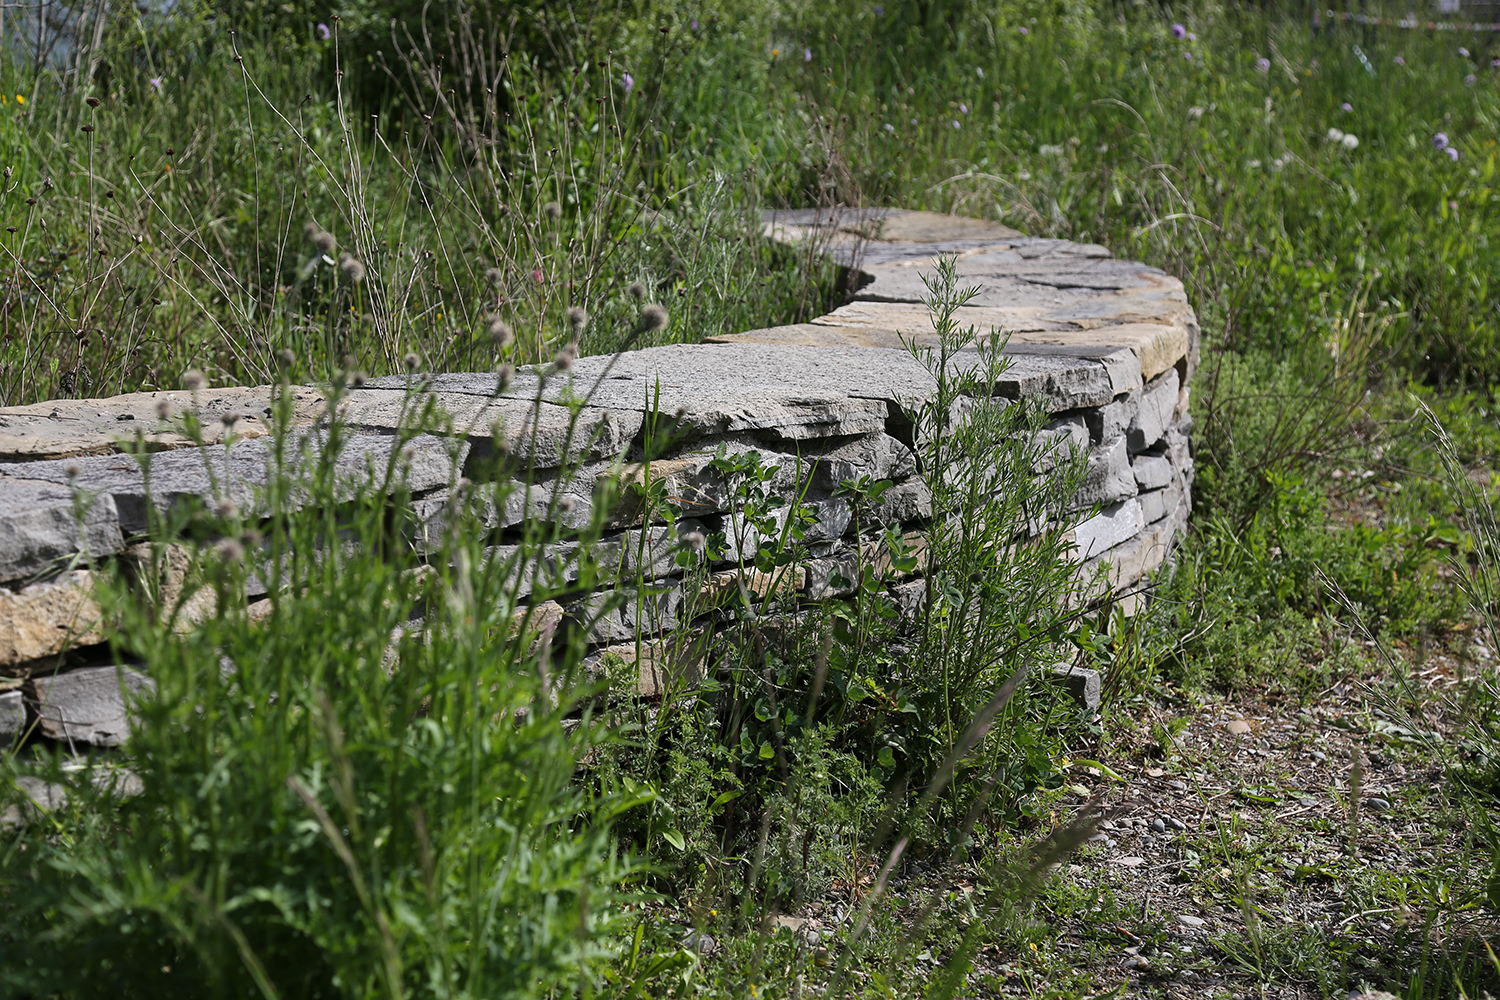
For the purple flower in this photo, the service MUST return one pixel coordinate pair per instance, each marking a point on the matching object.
(695, 24)
(1399, 61)
(1188, 56)
(323, 30)
(628, 81)
(889, 127)
(963, 109)
(1263, 65)
(1470, 80)
(1453, 206)
(1440, 141)
(807, 55)
(1452, 152)
(1347, 106)
(1495, 64)
(1023, 30)
(879, 10)
(156, 82)
(1179, 31)
(1463, 52)
(1192, 37)
(956, 124)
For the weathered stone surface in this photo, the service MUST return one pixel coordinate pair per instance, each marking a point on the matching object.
(1111, 420)
(1112, 526)
(37, 796)
(1126, 566)
(46, 619)
(1152, 472)
(1108, 478)
(67, 428)
(1155, 412)
(209, 477)
(12, 717)
(40, 524)
(87, 705)
(1081, 683)
(1160, 503)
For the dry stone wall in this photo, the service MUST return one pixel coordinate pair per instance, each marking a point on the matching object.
(1107, 347)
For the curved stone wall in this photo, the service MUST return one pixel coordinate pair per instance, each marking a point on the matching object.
(1108, 347)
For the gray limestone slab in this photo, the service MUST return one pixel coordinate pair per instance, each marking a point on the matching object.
(1081, 683)
(905, 502)
(1158, 504)
(1155, 412)
(1114, 525)
(541, 431)
(43, 522)
(1152, 472)
(1108, 478)
(212, 475)
(12, 717)
(1110, 421)
(87, 705)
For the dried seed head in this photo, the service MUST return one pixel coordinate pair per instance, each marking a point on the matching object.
(578, 318)
(501, 333)
(567, 504)
(93, 102)
(72, 471)
(351, 269)
(409, 453)
(564, 360)
(654, 317)
(230, 550)
(286, 356)
(506, 375)
(164, 409)
(495, 276)
(230, 419)
(552, 210)
(411, 361)
(193, 379)
(357, 379)
(228, 508)
(695, 541)
(636, 290)
(320, 239)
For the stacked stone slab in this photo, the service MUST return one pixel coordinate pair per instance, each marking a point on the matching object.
(1107, 347)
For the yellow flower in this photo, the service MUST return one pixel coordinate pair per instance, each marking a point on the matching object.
(20, 99)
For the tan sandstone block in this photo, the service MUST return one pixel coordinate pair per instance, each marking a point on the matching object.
(46, 619)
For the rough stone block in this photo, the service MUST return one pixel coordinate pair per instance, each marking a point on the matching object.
(1152, 472)
(1112, 526)
(906, 502)
(1081, 683)
(208, 476)
(1110, 421)
(39, 524)
(36, 796)
(1061, 441)
(1108, 478)
(46, 619)
(1160, 503)
(86, 705)
(1155, 413)
(12, 717)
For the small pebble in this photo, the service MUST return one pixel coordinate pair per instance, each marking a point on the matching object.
(1159, 826)
(1376, 804)
(1176, 823)
(1238, 727)
(1098, 838)
(1188, 920)
(1177, 785)
(1108, 824)
(1318, 755)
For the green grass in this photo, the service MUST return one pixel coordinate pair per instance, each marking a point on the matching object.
(430, 842)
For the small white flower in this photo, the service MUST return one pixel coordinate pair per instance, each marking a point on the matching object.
(1253, 164)
(1195, 112)
(980, 71)
(1023, 174)
(1047, 150)
(1351, 141)
(1334, 135)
